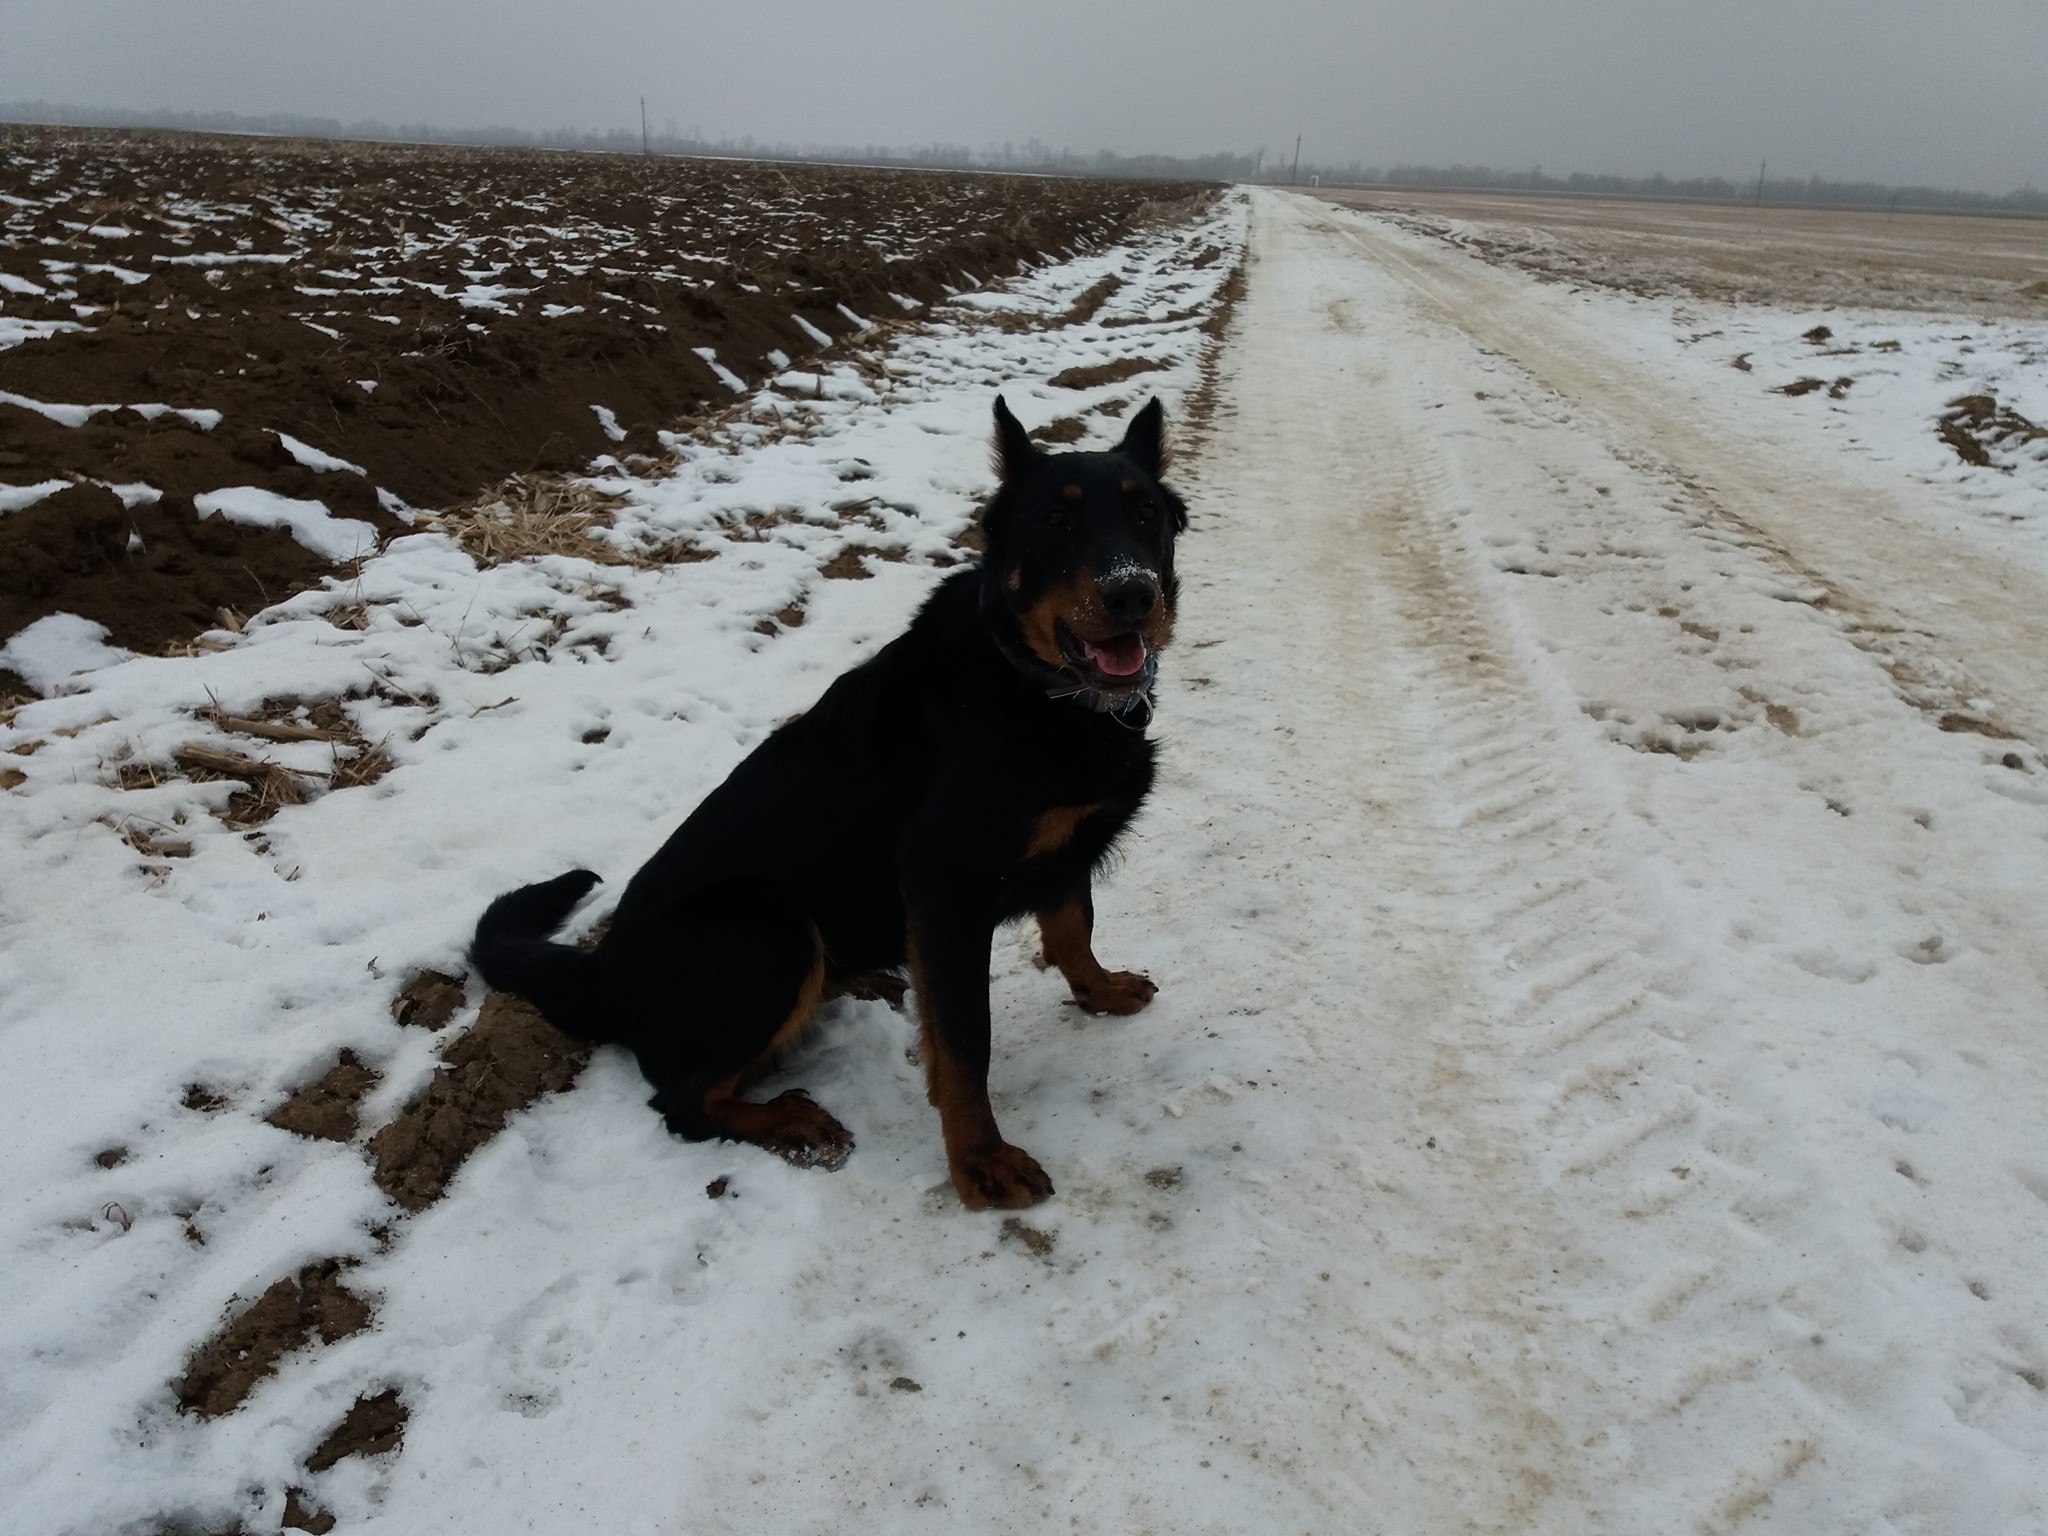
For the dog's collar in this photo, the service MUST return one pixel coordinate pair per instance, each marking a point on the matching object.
(1130, 706)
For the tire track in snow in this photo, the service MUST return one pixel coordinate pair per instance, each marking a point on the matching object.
(1978, 627)
(1732, 1296)
(1593, 1000)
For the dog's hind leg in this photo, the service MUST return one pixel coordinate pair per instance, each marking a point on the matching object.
(757, 978)
(1068, 932)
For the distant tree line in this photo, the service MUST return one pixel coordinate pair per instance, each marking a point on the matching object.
(1030, 157)
(1035, 157)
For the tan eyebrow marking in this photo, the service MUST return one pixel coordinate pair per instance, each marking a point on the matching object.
(1072, 493)
(1129, 485)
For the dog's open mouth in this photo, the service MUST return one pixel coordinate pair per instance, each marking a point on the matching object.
(1118, 661)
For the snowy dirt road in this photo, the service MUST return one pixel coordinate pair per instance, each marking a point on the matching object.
(1662, 984)
(1598, 1081)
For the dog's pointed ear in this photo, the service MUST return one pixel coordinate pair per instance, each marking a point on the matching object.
(1144, 442)
(1014, 449)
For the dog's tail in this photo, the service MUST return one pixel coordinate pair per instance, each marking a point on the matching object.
(512, 951)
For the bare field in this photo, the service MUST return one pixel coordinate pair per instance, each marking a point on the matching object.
(364, 329)
(1802, 257)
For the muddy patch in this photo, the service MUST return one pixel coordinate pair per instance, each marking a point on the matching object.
(325, 1109)
(1060, 431)
(1977, 427)
(154, 574)
(499, 1065)
(288, 1316)
(374, 1424)
(1105, 373)
(302, 1515)
(428, 1000)
(851, 563)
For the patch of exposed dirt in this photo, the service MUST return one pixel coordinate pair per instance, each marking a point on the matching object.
(1039, 1242)
(1956, 722)
(374, 1424)
(1200, 409)
(1060, 430)
(299, 1515)
(1104, 373)
(325, 1109)
(431, 319)
(500, 1064)
(1974, 425)
(428, 1000)
(224, 1370)
(851, 563)
(154, 574)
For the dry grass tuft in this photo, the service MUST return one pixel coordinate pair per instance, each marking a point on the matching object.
(267, 787)
(528, 516)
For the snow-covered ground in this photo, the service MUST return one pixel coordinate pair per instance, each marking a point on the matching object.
(1598, 1077)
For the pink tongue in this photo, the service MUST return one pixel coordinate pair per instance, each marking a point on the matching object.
(1119, 657)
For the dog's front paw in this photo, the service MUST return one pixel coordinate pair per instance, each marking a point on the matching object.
(1117, 992)
(1004, 1176)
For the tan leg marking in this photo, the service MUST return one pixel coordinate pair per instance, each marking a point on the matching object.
(790, 1125)
(1070, 946)
(985, 1169)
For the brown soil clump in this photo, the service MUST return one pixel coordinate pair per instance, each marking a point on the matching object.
(1089, 304)
(372, 1426)
(301, 1516)
(154, 574)
(325, 1109)
(1973, 425)
(435, 319)
(1104, 373)
(224, 1370)
(851, 563)
(428, 1000)
(499, 1065)
(1060, 430)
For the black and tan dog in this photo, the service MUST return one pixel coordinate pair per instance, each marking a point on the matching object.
(977, 769)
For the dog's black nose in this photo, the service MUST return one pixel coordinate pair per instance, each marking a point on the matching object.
(1129, 595)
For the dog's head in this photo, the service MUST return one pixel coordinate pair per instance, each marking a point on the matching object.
(1080, 553)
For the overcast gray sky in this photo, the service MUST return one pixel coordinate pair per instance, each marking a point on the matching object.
(1892, 90)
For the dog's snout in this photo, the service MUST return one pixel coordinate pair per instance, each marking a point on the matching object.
(1129, 596)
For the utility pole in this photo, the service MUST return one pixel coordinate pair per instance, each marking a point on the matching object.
(1294, 175)
(645, 149)
(1760, 166)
